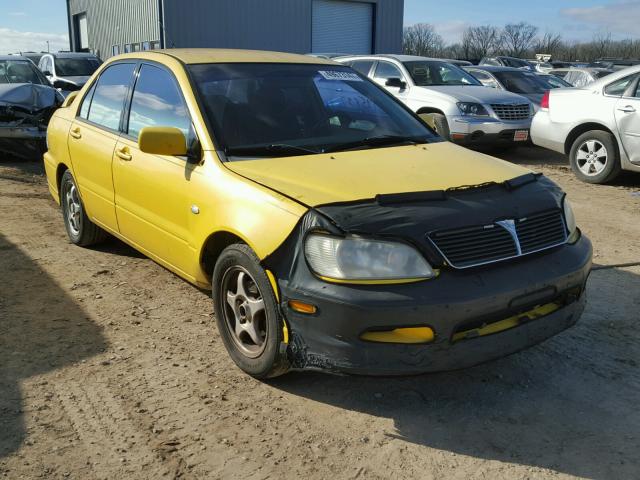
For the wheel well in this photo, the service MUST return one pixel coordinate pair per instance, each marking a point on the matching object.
(59, 172)
(214, 246)
(430, 110)
(579, 130)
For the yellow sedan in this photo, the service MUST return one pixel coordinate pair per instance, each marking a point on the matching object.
(336, 230)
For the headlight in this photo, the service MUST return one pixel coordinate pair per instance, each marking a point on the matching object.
(570, 221)
(358, 259)
(472, 109)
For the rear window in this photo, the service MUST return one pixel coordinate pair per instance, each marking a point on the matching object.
(76, 67)
(521, 82)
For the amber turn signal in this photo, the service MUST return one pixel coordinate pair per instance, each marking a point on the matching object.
(301, 307)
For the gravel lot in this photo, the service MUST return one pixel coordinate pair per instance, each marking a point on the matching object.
(111, 367)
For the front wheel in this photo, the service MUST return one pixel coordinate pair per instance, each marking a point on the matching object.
(441, 126)
(247, 314)
(594, 157)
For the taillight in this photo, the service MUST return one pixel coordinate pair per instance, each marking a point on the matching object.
(545, 100)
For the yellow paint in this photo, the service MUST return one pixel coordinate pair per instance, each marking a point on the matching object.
(69, 100)
(168, 208)
(162, 141)
(508, 323)
(356, 175)
(411, 335)
(274, 284)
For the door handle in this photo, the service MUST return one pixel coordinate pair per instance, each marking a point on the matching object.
(75, 133)
(122, 154)
(627, 109)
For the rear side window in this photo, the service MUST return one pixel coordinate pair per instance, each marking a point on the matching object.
(157, 101)
(617, 88)
(108, 98)
(362, 66)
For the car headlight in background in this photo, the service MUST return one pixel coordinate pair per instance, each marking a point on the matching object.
(355, 259)
(570, 221)
(472, 109)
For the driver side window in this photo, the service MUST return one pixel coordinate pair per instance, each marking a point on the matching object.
(386, 70)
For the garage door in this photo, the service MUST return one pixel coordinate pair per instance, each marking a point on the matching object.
(342, 27)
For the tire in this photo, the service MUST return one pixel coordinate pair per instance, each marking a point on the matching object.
(81, 231)
(594, 157)
(248, 317)
(441, 126)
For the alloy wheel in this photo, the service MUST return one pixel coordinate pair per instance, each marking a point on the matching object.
(244, 311)
(591, 157)
(73, 208)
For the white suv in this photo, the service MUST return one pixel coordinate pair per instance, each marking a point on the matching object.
(456, 105)
(598, 125)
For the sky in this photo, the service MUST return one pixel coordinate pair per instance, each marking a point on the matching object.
(29, 24)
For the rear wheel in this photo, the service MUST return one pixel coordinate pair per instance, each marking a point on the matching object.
(247, 313)
(81, 231)
(594, 157)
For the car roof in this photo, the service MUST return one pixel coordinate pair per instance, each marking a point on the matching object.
(582, 69)
(496, 68)
(616, 75)
(71, 55)
(399, 58)
(14, 58)
(221, 55)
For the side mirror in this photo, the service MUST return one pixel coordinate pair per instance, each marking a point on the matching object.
(162, 141)
(396, 83)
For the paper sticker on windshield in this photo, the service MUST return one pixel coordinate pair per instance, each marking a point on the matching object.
(338, 75)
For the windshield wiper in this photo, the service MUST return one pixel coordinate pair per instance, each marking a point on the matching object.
(265, 150)
(385, 140)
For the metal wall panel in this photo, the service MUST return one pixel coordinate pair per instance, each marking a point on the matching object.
(116, 22)
(342, 27)
(282, 25)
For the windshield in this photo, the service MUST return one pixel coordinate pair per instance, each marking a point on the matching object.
(551, 81)
(20, 71)
(431, 73)
(520, 82)
(76, 67)
(274, 110)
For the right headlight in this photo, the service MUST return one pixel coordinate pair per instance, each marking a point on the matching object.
(360, 260)
(570, 221)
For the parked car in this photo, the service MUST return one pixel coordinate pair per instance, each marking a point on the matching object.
(335, 229)
(27, 101)
(457, 63)
(580, 77)
(458, 107)
(522, 82)
(33, 56)
(69, 71)
(551, 81)
(614, 64)
(598, 127)
(503, 61)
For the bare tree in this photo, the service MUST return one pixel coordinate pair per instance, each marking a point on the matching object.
(423, 40)
(518, 38)
(550, 43)
(482, 41)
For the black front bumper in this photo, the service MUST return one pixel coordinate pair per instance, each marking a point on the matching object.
(330, 339)
(28, 142)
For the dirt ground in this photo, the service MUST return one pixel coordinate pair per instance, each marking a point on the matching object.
(111, 367)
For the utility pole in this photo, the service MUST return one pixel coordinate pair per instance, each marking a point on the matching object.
(48, 51)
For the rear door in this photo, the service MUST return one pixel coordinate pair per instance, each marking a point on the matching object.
(153, 192)
(628, 119)
(92, 140)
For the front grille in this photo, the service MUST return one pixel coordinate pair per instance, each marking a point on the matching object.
(479, 245)
(505, 111)
(541, 231)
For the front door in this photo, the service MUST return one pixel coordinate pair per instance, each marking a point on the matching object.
(628, 120)
(92, 140)
(152, 192)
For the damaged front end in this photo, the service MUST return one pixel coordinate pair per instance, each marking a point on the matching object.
(25, 110)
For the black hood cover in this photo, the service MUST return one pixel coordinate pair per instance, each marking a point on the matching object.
(28, 97)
